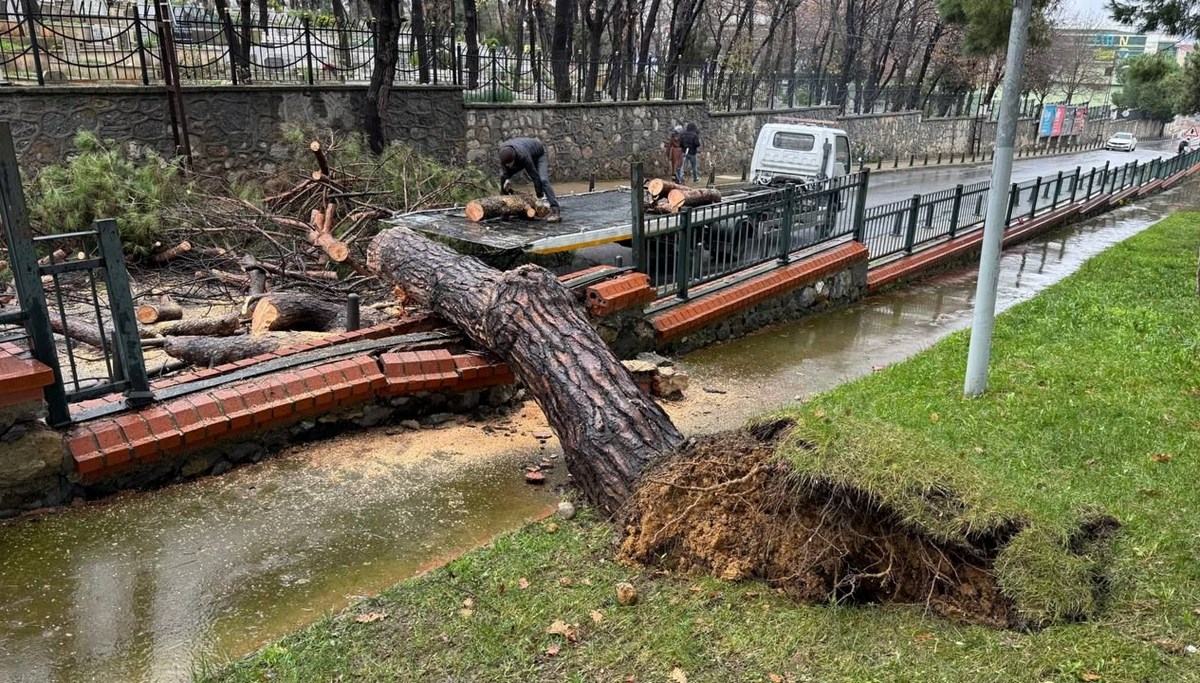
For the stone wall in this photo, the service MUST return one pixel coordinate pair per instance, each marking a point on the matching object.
(231, 127)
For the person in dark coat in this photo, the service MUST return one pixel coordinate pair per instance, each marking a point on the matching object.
(675, 154)
(529, 155)
(690, 141)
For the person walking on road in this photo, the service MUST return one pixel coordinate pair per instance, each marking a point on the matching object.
(690, 141)
(529, 155)
(675, 153)
(1183, 147)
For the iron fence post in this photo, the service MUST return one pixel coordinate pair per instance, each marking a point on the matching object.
(955, 209)
(860, 205)
(436, 43)
(141, 48)
(33, 41)
(353, 320)
(494, 94)
(636, 178)
(129, 345)
(1057, 191)
(1033, 199)
(1075, 183)
(1104, 178)
(1014, 196)
(683, 254)
(308, 51)
(785, 241)
(23, 265)
(910, 234)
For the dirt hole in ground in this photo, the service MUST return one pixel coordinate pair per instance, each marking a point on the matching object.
(728, 507)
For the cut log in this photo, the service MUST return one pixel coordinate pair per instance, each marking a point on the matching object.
(86, 332)
(659, 206)
(160, 311)
(209, 351)
(172, 253)
(700, 196)
(537, 211)
(504, 206)
(658, 188)
(222, 326)
(292, 311)
(610, 430)
(223, 277)
(58, 256)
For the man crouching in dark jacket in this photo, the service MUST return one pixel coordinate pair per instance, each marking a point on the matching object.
(529, 155)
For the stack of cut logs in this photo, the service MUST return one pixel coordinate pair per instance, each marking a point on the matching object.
(669, 197)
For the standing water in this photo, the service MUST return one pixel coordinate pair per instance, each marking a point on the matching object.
(141, 586)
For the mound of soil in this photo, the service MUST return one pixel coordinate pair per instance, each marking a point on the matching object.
(726, 506)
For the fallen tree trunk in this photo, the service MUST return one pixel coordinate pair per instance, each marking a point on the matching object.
(160, 311)
(86, 332)
(695, 197)
(658, 188)
(292, 311)
(610, 430)
(223, 326)
(504, 206)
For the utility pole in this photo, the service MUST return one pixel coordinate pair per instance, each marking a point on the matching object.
(997, 210)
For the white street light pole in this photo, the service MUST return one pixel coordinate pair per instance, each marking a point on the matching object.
(997, 209)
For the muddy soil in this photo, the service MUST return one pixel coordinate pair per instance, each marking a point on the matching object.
(728, 507)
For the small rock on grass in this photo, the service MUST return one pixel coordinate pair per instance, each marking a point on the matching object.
(535, 478)
(627, 595)
(566, 509)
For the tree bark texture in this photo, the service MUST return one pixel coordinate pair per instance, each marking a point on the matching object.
(383, 73)
(560, 48)
(471, 32)
(223, 326)
(658, 188)
(209, 351)
(609, 429)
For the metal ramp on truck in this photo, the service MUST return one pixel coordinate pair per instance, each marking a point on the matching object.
(588, 220)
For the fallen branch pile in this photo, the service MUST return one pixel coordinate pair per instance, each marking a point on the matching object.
(667, 197)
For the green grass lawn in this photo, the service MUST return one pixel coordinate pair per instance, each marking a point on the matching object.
(1094, 406)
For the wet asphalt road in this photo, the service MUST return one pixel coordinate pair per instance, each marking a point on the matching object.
(894, 186)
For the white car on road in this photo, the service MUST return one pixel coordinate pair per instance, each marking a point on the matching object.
(1122, 142)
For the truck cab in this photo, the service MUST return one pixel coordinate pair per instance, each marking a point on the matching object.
(799, 151)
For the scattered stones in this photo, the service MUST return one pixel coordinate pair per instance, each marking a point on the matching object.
(543, 435)
(373, 415)
(636, 367)
(535, 477)
(627, 595)
(410, 424)
(566, 509)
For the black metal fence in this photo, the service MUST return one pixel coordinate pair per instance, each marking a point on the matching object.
(704, 244)
(902, 227)
(38, 47)
(74, 285)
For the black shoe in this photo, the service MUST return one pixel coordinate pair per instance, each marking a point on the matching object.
(555, 215)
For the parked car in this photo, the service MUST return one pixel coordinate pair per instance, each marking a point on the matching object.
(1122, 142)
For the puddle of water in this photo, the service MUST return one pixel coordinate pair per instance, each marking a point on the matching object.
(137, 587)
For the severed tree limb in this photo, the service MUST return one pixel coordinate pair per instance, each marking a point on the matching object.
(209, 351)
(222, 326)
(160, 311)
(293, 311)
(658, 188)
(172, 253)
(86, 332)
(692, 197)
(609, 429)
(499, 207)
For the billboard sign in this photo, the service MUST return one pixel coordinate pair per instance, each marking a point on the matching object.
(1060, 114)
(1081, 114)
(1068, 124)
(1046, 128)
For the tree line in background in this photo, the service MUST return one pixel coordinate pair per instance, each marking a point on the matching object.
(942, 56)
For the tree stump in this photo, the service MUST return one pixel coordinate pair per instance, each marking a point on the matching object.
(610, 430)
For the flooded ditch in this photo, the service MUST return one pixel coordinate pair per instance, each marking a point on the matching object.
(142, 586)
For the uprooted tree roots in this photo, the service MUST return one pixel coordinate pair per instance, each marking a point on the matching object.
(728, 507)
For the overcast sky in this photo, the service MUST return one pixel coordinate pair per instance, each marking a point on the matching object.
(1088, 7)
